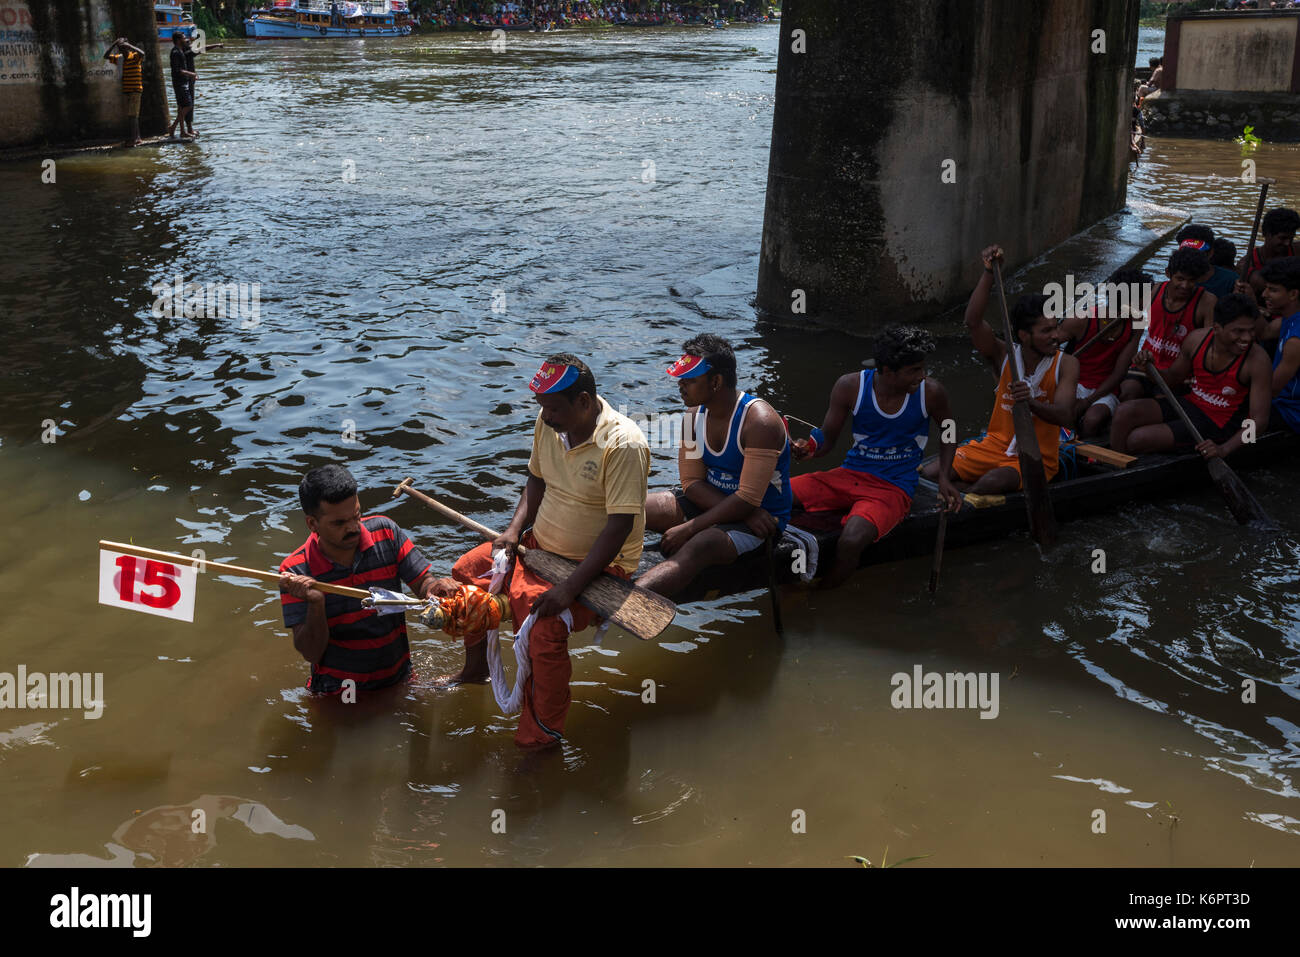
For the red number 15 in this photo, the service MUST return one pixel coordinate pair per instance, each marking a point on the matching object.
(156, 575)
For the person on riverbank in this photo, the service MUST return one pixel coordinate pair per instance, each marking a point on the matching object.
(1278, 229)
(131, 59)
(1179, 305)
(181, 76)
(732, 500)
(340, 638)
(1229, 376)
(1105, 363)
(888, 410)
(1282, 298)
(584, 500)
(991, 465)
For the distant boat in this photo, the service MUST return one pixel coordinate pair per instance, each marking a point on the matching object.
(171, 17)
(314, 19)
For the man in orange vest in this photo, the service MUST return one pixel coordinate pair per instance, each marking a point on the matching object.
(991, 465)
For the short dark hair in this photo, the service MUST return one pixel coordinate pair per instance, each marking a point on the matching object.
(1233, 306)
(1223, 253)
(1155, 61)
(1026, 313)
(1127, 277)
(900, 346)
(329, 483)
(1280, 220)
(1284, 272)
(717, 353)
(586, 382)
(1196, 231)
(1189, 262)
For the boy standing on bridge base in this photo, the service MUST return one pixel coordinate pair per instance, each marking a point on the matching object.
(132, 84)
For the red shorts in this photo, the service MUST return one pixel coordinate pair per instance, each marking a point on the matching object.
(881, 503)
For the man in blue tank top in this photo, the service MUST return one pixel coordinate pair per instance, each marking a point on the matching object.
(1282, 297)
(889, 409)
(734, 462)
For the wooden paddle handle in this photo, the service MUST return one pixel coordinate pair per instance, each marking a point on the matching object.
(1154, 374)
(235, 569)
(1101, 331)
(1254, 229)
(447, 511)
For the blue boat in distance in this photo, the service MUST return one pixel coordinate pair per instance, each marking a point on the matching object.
(171, 17)
(330, 18)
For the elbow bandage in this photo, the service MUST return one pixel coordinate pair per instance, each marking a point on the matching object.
(756, 474)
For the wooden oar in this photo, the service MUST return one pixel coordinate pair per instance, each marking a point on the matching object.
(1264, 183)
(1088, 343)
(237, 569)
(772, 587)
(634, 609)
(1241, 503)
(938, 548)
(1042, 521)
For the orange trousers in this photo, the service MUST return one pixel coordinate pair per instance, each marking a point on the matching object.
(546, 693)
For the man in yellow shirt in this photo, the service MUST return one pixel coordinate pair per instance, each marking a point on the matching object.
(585, 500)
(132, 59)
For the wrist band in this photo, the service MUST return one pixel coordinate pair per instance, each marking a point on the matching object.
(817, 438)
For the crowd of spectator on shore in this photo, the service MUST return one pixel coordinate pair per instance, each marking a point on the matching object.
(450, 14)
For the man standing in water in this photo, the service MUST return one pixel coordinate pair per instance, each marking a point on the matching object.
(584, 500)
(340, 638)
(181, 77)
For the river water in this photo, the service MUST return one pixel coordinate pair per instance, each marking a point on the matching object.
(424, 220)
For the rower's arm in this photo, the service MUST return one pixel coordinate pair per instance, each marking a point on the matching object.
(763, 431)
(1204, 317)
(1288, 366)
(602, 553)
(1060, 411)
(529, 502)
(1122, 363)
(843, 395)
(1181, 370)
(1261, 398)
(981, 334)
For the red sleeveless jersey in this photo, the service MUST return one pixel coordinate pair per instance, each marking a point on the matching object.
(1257, 264)
(1167, 330)
(1217, 394)
(1099, 361)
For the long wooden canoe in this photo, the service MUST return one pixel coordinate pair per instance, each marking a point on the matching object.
(1098, 487)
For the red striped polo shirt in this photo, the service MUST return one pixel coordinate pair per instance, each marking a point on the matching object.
(367, 647)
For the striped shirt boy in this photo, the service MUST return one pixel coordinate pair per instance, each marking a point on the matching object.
(371, 649)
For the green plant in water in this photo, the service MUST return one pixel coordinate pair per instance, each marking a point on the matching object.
(885, 857)
(1248, 140)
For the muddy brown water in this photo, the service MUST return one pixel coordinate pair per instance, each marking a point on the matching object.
(528, 178)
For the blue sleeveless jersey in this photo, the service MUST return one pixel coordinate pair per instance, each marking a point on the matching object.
(888, 446)
(724, 466)
(1287, 402)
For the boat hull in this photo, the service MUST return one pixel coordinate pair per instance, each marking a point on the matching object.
(263, 28)
(1104, 490)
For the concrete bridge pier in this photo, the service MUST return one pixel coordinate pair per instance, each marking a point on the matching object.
(907, 136)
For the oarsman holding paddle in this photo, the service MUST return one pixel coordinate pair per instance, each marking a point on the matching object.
(340, 638)
(1178, 306)
(584, 500)
(991, 465)
(888, 410)
(1282, 296)
(1278, 229)
(1229, 376)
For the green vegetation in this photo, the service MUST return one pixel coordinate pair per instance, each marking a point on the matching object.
(1248, 141)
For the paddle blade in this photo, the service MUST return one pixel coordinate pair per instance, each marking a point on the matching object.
(1243, 505)
(636, 610)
